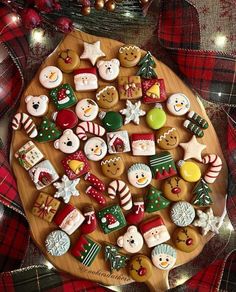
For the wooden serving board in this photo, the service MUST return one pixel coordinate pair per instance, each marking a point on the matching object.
(99, 270)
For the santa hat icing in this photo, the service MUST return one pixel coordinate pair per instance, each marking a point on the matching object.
(63, 213)
(153, 223)
(86, 71)
(143, 137)
(110, 220)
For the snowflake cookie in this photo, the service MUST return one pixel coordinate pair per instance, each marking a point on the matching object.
(66, 188)
(57, 243)
(132, 112)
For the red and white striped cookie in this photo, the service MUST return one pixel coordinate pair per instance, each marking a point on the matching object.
(22, 119)
(119, 187)
(89, 127)
(214, 170)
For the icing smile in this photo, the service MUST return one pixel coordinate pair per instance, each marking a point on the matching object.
(98, 154)
(178, 108)
(51, 81)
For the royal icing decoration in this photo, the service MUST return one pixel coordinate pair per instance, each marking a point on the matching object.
(193, 128)
(153, 90)
(155, 201)
(178, 104)
(37, 106)
(197, 119)
(193, 149)
(22, 119)
(92, 52)
(68, 142)
(174, 188)
(47, 131)
(90, 223)
(137, 213)
(57, 243)
(131, 240)
(89, 127)
(86, 109)
(116, 260)
(202, 196)
(107, 96)
(164, 256)
(96, 195)
(111, 121)
(167, 138)
(112, 166)
(182, 213)
(95, 181)
(63, 96)
(143, 144)
(215, 168)
(50, 77)
(129, 55)
(109, 69)
(95, 149)
(186, 239)
(139, 175)
(156, 117)
(189, 171)
(66, 188)
(86, 79)
(118, 142)
(129, 87)
(140, 268)
(132, 112)
(65, 119)
(119, 187)
(68, 61)
(147, 64)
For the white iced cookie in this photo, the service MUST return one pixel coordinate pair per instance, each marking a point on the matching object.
(37, 106)
(109, 69)
(68, 142)
(131, 241)
(95, 149)
(139, 175)
(85, 79)
(92, 52)
(50, 77)
(178, 104)
(163, 256)
(86, 110)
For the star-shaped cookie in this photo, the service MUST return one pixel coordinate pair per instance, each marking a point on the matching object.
(92, 52)
(66, 188)
(207, 221)
(132, 112)
(193, 149)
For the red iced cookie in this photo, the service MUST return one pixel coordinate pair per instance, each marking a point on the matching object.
(65, 119)
(153, 90)
(90, 223)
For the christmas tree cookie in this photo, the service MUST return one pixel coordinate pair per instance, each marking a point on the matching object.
(202, 194)
(147, 64)
(155, 201)
(47, 131)
(117, 260)
(63, 96)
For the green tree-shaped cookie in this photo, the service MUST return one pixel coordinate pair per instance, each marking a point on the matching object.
(146, 67)
(202, 196)
(116, 259)
(47, 131)
(155, 201)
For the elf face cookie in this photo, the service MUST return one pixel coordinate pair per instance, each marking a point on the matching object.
(140, 268)
(107, 96)
(95, 148)
(164, 256)
(68, 142)
(167, 138)
(129, 55)
(143, 144)
(50, 77)
(186, 239)
(139, 175)
(182, 213)
(118, 142)
(86, 109)
(131, 241)
(178, 104)
(37, 106)
(109, 69)
(63, 96)
(174, 188)
(112, 166)
(85, 79)
(68, 61)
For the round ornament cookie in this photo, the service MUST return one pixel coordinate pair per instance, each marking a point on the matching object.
(156, 117)
(140, 268)
(95, 148)
(129, 55)
(68, 61)
(182, 213)
(50, 77)
(174, 188)
(178, 104)
(167, 138)
(163, 256)
(189, 170)
(65, 118)
(112, 166)
(107, 96)
(57, 243)
(86, 110)
(139, 175)
(186, 238)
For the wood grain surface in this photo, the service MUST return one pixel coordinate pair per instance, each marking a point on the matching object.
(99, 270)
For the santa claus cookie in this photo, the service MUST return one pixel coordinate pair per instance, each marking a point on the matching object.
(50, 77)
(164, 256)
(107, 96)
(139, 175)
(143, 144)
(174, 188)
(112, 166)
(68, 61)
(131, 240)
(129, 55)
(86, 79)
(167, 138)
(86, 109)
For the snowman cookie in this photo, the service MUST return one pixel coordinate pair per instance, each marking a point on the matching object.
(139, 175)
(163, 256)
(129, 55)
(68, 142)
(86, 110)
(37, 106)
(95, 148)
(178, 104)
(112, 166)
(109, 69)
(50, 77)
(107, 96)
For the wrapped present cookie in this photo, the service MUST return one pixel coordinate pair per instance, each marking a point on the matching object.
(153, 90)
(129, 87)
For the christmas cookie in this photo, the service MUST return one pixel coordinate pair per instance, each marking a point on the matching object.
(111, 218)
(107, 96)
(118, 142)
(109, 69)
(193, 149)
(119, 187)
(50, 77)
(69, 219)
(57, 243)
(29, 155)
(131, 240)
(90, 222)
(154, 231)
(137, 213)
(92, 52)
(156, 117)
(65, 119)
(197, 119)
(129, 55)
(162, 165)
(63, 96)
(47, 131)
(129, 87)
(97, 195)
(86, 79)
(66, 188)
(153, 90)
(164, 257)
(207, 221)
(86, 109)
(139, 175)
(22, 119)
(68, 142)
(89, 127)
(186, 239)
(95, 149)
(189, 171)
(143, 144)
(167, 138)
(95, 181)
(111, 121)
(140, 268)
(178, 104)
(68, 61)
(132, 112)
(182, 213)
(37, 106)
(75, 165)
(155, 201)
(147, 65)
(112, 166)
(116, 259)
(202, 196)
(215, 168)
(85, 250)
(193, 128)
(43, 174)
(174, 188)
(45, 207)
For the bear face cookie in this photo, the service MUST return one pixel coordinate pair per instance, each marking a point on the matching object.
(140, 268)
(37, 106)
(178, 104)
(131, 241)
(112, 166)
(86, 79)
(50, 77)
(68, 142)
(95, 148)
(68, 61)
(186, 238)
(109, 69)
(174, 188)
(107, 96)
(86, 110)
(129, 55)
(164, 256)
(167, 138)
(139, 175)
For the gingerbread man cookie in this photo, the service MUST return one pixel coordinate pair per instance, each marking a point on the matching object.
(112, 166)
(107, 96)
(68, 61)
(129, 55)
(167, 138)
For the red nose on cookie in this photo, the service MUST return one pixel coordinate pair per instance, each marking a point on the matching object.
(189, 241)
(176, 190)
(142, 271)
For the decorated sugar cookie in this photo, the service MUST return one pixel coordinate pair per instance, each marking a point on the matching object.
(96, 195)
(86, 79)
(164, 256)
(63, 96)
(139, 175)
(147, 65)
(215, 167)
(57, 243)
(86, 109)
(50, 77)
(197, 119)
(65, 119)
(66, 188)
(202, 196)
(23, 120)
(118, 142)
(156, 117)
(182, 213)
(95, 148)
(143, 144)
(137, 213)
(68, 60)
(178, 104)
(37, 106)
(85, 128)
(154, 200)
(193, 128)
(186, 238)
(167, 138)
(96, 182)
(111, 121)
(92, 52)
(140, 268)
(193, 149)
(120, 188)
(129, 87)
(112, 166)
(174, 188)
(47, 131)
(132, 112)
(108, 69)
(153, 90)
(116, 259)
(129, 55)
(131, 240)
(189, 170)
(68, 142)
(90, 223)
(107, 96)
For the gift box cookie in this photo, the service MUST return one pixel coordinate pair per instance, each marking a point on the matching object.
(153, 90)
(63, 96)
(45, 207)
(29, 155)
(129, 87)
(143, 144)
(118, 142)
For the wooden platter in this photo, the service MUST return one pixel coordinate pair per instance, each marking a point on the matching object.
(99, 270)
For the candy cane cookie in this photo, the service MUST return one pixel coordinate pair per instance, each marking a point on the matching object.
(22, 119)
(214, 170)
(118, 187)
(89, 127)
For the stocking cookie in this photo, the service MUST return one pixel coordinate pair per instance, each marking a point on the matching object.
(112, 166)
(68, 142)
(167, 138)
(182, 213)
(92, 52)
(86, 79)
(68, 60)
(95, 182)
(63, 96)
(143, 144)
(107, 96)
(109, 69)
(90, 222)
(129, 55)
(140, 268)
(86, 109)
(174, 188)
(164, 257)
(139, 175)
(37, 106)
(50, 77)
(95, 149)
(137, 213)
(131, 240)
(178, 104)
(57, 243)
(96, 195)
(186, 239)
